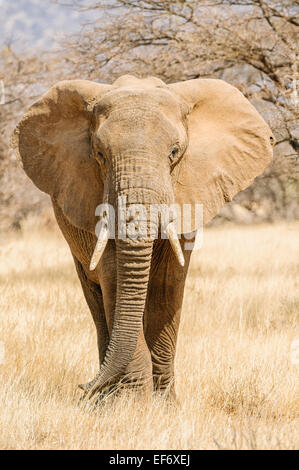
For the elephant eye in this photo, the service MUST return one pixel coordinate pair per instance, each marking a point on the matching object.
(100, 157)
(174, 153)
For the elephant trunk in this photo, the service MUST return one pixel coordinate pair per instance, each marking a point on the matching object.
(133, 259)
(133, 267)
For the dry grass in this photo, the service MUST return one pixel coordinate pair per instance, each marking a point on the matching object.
(235, 380)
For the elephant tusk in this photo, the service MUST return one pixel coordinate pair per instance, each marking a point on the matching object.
(99, 248)
(175, 243)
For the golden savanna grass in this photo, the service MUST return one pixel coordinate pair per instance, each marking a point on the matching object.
(237, 381)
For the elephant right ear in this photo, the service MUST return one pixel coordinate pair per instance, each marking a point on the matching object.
(52, 142)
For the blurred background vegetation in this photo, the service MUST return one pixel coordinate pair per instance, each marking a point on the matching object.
(252, 44)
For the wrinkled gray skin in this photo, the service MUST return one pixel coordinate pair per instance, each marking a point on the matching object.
(86, 143)
(148, 289)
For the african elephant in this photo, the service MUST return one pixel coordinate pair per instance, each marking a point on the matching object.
(84, 143)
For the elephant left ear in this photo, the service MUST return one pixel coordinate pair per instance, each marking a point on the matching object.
(229, 145)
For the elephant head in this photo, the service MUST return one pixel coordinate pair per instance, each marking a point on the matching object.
(85, 143)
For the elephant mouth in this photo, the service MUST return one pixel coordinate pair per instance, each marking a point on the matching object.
(170, 232)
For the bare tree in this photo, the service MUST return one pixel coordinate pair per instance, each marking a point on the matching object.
(252, 44)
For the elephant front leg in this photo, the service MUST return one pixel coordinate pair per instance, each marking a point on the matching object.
(163, 313)
(93, 295)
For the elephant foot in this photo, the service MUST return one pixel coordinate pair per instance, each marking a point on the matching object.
(109, 391)
(168, 396)
(88, 386)
(113, 391)
(164, 387)
(137, 376)
(129, 381)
